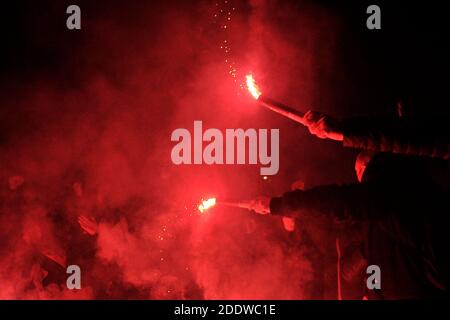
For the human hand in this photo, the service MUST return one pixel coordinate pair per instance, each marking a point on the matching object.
(260, 205)
(323, 126)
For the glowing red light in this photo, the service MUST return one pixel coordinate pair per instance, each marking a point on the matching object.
(206, 204)
(252, 86)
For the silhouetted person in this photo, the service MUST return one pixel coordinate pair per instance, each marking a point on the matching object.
(406, 218)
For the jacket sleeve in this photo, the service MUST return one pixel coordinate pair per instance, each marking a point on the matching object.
(356, 202)
(413, 136)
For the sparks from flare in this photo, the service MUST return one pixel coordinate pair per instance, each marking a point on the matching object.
(206, 204)
(252, 86)
(224, 12)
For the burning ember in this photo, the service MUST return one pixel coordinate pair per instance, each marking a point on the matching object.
(252, 86)
(206, 204)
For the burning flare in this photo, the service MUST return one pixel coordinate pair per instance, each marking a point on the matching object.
(252, 86)
(273, 105)
(206, 204)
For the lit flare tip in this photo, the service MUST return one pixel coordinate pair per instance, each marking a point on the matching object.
(206, 204)
(252, 86)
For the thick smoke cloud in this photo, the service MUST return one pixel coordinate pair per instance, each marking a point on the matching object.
(86, 133)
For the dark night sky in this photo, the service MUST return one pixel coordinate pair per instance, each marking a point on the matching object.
(406, 59)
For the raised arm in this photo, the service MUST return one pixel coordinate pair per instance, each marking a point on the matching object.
(427, 136)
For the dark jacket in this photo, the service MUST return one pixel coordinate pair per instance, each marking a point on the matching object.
(407, 220)
(406, 135)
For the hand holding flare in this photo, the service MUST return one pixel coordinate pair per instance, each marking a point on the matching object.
(260, 205)
(319, 124)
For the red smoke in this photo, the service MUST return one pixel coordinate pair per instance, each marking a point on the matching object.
(91, 138)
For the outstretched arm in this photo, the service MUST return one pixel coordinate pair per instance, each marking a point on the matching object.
(427, 136)
(340, 202)
(407, 135)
